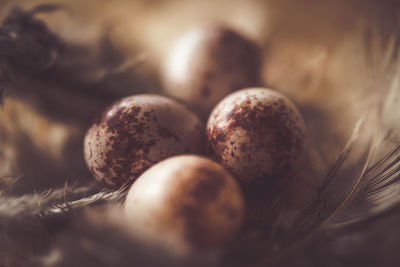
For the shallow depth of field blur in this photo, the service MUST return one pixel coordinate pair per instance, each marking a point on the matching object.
(314, 52)
(327, 56)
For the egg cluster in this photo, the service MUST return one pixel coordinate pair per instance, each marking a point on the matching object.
(185, 174)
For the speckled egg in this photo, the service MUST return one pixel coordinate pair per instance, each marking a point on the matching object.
(185, 204)
(256, 133)
(208, 63)
(137, 132)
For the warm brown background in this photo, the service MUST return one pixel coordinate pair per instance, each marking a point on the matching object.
(317, 53)
(330, 57)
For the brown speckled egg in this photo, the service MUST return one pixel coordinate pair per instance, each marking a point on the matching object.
(256, 133)
(208, 63)
(185, 204)
(137, 132)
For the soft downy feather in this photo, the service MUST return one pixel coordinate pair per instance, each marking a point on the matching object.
(29, 223)
(363, 183)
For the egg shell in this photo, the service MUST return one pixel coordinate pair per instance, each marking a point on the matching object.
(185, 204)
(137, 132)
(208, 63)
(256, 133)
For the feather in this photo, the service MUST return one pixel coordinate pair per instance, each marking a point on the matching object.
(37, 66)
(40, 216)
(364, 181)
(376, 188)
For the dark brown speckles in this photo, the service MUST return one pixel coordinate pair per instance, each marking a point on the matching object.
(269, 127)
(123, 145)
(220, 136)
(103, 169)
(124, 141)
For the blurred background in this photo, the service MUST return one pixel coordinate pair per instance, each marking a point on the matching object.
(333, 58)
(329, 57)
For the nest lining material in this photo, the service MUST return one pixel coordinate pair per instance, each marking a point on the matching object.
(355, 206)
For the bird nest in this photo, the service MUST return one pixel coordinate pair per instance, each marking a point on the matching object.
(61, 66)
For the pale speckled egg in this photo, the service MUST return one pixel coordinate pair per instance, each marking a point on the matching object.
(185, 204)
(137, 132)
(208, 63)
(256, 133)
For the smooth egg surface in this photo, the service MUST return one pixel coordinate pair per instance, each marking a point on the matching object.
(208, 63)
(137, 132)
(255, 133)
(185, 204)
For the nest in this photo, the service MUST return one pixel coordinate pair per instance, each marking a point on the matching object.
(342, 70)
